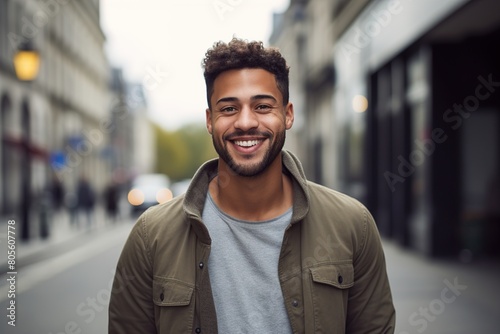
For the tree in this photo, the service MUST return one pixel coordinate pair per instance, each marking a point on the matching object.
(180, 153)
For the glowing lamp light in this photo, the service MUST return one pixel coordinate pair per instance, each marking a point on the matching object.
(135, 197)
(164, 195)
(26, 63)
(359, 103)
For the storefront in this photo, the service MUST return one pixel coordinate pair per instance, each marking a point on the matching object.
(424, 155)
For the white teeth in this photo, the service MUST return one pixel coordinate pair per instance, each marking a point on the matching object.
(247, 143)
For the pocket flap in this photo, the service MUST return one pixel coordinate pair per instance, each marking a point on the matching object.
(338, 275)
(171, 292)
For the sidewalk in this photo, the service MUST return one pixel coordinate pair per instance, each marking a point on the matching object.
(62, 236)
(443, 297)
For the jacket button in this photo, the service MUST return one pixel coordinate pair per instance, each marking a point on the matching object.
(340, 279)
(295, 303)
(162, 296)
(198, 330)
(201, 265)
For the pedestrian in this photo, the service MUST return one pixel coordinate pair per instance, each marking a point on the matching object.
(252, 246)
(111, 195)
(86, 199)
(57, 192)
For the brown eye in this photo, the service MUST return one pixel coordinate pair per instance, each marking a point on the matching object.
(263, 107)
(228, 109)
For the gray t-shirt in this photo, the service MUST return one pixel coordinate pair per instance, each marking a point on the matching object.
(243, 268)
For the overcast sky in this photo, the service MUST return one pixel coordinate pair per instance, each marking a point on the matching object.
(161, 43)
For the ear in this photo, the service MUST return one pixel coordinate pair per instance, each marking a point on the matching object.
(289, 116)
(208, 115)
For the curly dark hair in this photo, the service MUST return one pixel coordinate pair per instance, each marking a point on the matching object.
(238, 54)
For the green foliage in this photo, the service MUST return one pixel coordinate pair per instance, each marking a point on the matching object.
(180, 153)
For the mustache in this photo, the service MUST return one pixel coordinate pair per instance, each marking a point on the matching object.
(250, 133)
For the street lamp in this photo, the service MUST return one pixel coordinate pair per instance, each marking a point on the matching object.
(26, 65)
(26, 62)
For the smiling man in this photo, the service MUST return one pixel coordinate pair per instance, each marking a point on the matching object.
(252, 247)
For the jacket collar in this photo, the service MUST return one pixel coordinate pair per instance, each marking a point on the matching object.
(196, 194)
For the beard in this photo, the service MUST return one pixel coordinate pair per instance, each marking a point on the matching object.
(250, 169)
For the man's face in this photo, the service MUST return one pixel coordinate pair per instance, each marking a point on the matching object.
(247, 120)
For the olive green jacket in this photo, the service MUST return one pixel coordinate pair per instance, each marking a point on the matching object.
(331, 267)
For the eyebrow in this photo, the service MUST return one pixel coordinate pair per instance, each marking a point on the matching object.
(253, 98)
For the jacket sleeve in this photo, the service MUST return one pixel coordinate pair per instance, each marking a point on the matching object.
(370, 307)
(131, 308)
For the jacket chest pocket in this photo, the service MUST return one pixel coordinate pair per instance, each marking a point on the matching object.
(330, 292)
(174, 305)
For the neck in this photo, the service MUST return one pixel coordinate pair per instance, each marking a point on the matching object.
(256, 198)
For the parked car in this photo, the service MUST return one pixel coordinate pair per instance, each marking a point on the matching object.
(148, 190)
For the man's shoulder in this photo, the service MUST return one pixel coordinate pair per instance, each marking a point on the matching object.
(166, 216)
(341, 219)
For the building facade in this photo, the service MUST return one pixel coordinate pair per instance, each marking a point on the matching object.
(289, 35)
(56, 126)
(413, 119)
(132, 142)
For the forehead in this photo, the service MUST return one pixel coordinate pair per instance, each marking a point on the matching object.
(247, 81)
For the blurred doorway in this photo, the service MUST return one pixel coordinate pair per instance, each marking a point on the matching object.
(480, 156)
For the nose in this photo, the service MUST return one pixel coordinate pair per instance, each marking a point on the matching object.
(246, 119)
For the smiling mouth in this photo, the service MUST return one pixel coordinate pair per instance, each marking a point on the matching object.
(247, 143)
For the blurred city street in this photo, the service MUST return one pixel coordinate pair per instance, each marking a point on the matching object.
(63, 283)
(396, 103)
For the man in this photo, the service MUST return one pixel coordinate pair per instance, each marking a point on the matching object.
(252, 247)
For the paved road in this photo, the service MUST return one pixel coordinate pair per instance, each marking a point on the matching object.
(68, 293)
